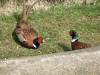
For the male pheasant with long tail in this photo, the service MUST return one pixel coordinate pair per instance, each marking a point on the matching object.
(25, 33)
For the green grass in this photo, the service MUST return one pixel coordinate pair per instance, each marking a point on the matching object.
(52, 24)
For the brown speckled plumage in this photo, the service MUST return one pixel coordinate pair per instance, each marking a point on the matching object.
(79, 45)
(28, 33)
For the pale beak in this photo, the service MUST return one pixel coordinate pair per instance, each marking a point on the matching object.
(43, 41)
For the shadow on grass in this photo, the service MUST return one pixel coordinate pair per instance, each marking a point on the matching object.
(65, 48)
(17, 40)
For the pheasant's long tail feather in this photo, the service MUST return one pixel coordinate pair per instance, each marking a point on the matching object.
(24, 18)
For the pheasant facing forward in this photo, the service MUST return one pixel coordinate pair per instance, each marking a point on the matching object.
(25, 33)
(75, 44)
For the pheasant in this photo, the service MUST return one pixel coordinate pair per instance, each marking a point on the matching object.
(25, 33)
(75, 43)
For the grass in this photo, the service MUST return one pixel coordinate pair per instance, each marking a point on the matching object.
(52, 24)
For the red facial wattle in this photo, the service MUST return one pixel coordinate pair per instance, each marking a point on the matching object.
(70, 33)
(40, 40)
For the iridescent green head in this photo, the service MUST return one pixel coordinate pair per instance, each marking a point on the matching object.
(73, 34)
